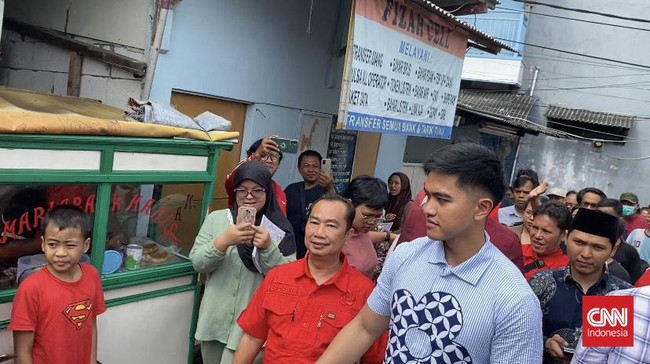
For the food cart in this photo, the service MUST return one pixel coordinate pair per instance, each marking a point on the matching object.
(143, 184)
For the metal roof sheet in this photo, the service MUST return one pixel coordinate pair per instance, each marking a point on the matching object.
(590, 117)
(475, 34)
(507, 107)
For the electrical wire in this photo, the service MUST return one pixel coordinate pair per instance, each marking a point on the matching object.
(572, 19)
(576, 53)
(584, 11)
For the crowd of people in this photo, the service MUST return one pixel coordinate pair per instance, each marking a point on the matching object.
(467, 271)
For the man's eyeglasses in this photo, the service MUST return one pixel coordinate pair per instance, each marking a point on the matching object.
(370, 219)
(269, 157)
(243, 193)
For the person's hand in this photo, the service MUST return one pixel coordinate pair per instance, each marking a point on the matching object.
(326, 181)
(390, 217)
(553, 347)
(539, 190)
(267, 146)
(234, 235)
(262, 238)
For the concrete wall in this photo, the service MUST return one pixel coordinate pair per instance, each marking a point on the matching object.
(262, 53)
(579, 82)
(256, 51)
(121, 26)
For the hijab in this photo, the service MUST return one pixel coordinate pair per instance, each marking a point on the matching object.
(396, 204)
(257, 172)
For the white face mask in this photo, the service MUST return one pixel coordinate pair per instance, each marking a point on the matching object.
(628, 210)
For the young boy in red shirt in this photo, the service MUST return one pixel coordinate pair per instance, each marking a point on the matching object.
(54, 311)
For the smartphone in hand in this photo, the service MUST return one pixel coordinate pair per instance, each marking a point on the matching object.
(246, 214)
(326, 166)
(287, 145)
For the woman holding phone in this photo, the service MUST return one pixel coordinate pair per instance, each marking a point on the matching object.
(224, 251)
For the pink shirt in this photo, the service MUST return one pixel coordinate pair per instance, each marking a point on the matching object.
(361, 253)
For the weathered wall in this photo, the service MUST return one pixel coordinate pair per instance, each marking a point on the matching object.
(579, 82)
(256, 51)
(121, 26)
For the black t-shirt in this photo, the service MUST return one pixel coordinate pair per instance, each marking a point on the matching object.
(629, 258)
(298, 201)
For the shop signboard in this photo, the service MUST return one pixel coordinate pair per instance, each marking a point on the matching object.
(403, 70)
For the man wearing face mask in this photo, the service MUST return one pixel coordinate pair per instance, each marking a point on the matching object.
(633, 218)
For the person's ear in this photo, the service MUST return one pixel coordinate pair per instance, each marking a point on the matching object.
(42, 244)
(484, 206)
(615, 248)
(86, 245)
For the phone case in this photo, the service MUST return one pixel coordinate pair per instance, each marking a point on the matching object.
(326, 167)
(246, 214)
(287, 145)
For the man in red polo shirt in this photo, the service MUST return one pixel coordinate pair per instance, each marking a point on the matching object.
(549, 228)
(302, 305)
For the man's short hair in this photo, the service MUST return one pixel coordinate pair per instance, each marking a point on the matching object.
(309, 153)
(369, 191)
(522, 180)
(582, 192)
(571, 192)
(473, 165)
(556, 211)
(349, 209)
(530, 174)
(68, 216)
(253, 148)
(613, 203)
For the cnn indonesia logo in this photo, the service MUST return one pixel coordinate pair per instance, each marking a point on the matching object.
(607, 321)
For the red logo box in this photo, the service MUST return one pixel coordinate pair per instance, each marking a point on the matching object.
(607, 321)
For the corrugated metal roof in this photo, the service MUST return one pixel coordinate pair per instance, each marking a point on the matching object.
(507, 107)
(476, 35)
(590, 117)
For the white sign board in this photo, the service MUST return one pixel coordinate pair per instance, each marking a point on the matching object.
(403, 71)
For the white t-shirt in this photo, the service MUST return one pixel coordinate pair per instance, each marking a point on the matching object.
(639, 240)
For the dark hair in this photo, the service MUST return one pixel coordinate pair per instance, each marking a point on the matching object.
(367, 190)
(556, 211)
(473, 165)
(614, 203)
(583, 191)
(571, 192)
(309, 153)
(530, 174)
(66, 217)
(349, 209)
(253, 148)
(522, 180)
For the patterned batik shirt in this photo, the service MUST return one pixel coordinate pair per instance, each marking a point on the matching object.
(560, 297)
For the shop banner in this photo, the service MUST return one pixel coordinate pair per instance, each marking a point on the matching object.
(403, 70)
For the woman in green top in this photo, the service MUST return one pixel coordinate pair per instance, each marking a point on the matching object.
(224, 251)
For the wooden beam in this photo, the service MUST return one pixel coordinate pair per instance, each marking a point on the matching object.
(74, 74)
(82, 48)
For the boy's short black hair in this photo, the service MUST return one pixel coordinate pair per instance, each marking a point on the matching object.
(309, 153)
(522, 180)
(473, 165)
(556, 211)
(530, 174)
(582, 192)
(349, 209)
(253, 148)
(68, 216)
(367, 190)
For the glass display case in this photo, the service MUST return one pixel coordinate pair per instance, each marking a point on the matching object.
(142, 193)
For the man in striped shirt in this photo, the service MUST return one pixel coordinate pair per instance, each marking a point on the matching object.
(451, 296)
